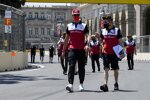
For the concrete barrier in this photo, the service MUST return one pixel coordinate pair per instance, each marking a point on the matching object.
(142, 56)
(16, 62)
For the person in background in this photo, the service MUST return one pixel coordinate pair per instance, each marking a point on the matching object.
(130, 50)
(33, 53)
(58, 53)
(110, 36)
(42, 52)
(51, 53)
(94, 52)
(63, 60)
(75, 35)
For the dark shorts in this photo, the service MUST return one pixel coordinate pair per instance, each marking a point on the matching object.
(110, 59)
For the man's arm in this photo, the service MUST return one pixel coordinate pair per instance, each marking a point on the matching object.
(65, 43)
(134, 48)
(119, 36)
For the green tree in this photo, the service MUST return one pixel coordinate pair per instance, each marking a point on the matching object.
(13, 3)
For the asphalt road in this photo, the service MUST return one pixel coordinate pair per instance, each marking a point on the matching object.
(48, 83)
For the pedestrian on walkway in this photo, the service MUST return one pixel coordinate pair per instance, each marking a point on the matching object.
(33, 53)
(58, 53)
(94, 52)
(42, 52)
(51, 53)
(63, 60)
(111, 36)
(130, 50)
(76, 32)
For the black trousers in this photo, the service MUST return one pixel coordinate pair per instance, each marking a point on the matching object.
(95, 58)
(130, 60)
(78, 56)
(64, 62)
(32, 58)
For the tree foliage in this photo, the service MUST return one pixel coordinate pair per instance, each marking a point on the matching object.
(13, 3)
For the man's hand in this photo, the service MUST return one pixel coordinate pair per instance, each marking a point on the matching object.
(97, 34)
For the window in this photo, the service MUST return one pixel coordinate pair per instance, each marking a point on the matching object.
(36, 31)
(42, 15)
(48, 31)
(30, 15)
(42, 31)
(30, 31)
(48, 17)
(36, 15)
(60, 16)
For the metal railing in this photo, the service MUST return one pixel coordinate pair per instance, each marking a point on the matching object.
(16, 39)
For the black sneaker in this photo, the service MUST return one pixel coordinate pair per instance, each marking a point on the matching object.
(116, 86)
(104, 88)
(65, 73)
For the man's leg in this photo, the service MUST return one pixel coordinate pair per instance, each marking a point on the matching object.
(93, 63)
(132, 62)
(115, 67)
(31, 58)
(128, 59)
(81, 68)
(72, 61)
(106, 62)
(97, 61)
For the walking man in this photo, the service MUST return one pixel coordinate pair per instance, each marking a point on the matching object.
(63, 60)
(130, 50)
(94, 52)
(33, 53)
(42, 52)
(110, 36)
(75, 32)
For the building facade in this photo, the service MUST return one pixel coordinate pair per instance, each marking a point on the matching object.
(44, 25)
(131, 19)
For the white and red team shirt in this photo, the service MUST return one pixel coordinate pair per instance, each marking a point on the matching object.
(61, 44)
(110, 38)
(130, 46)
(95, 46)
(77, 33)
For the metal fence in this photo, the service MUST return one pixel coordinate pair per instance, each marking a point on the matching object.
(142, 43)
(16, 39)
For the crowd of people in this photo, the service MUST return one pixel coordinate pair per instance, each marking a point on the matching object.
(75, 45)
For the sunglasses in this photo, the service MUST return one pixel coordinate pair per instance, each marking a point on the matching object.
(106, 17)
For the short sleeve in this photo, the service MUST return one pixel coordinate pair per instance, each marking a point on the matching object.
(119, 35)
(86, 30)
(67, 31)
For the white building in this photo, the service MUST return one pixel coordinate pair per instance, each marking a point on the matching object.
(45, 24)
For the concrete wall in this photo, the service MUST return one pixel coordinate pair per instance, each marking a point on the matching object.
(9, 62)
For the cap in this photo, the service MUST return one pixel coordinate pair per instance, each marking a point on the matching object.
(107, 16)
(129, 36)
(75, 11)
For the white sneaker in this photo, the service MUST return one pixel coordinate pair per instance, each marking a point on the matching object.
(81, 88)
(69, 87)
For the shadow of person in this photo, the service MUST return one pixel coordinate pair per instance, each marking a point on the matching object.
(125, 90)
(90, 91)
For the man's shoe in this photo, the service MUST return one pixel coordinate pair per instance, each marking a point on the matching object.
(116, 86)
(104, 88)
(65, 73)
(81, 88)
(69, 88)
